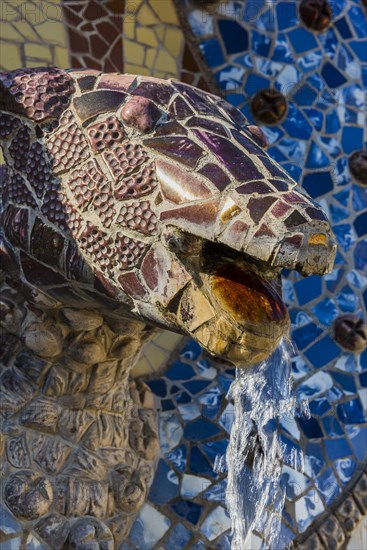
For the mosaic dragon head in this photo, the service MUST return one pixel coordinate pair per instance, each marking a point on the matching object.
(154, 200)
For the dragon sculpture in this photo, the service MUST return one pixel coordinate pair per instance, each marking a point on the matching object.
(128, 203)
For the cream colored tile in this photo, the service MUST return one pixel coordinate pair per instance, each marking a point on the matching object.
(136, 69)
(129, 30)
(150, 57)
(146, 16)
(32, 63)
(156, 357)
(8, 32)
(52, 32)
(38, 51)
(9, 11)
(165, 10)
(10, 56)
(146, 36)
(174, 41)
(159, 31)
(26, 30)
(165, 63)
(61, 58)
(134, 53)
(142, 368)
(168, 340)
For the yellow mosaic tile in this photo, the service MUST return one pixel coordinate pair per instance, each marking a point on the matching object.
(38, 51)
(34, 63)
(168, 340)
(26, 30)
(142, 368)
(136, 69)
(10, 56)
(165, 45)
(9, 32)
(156, 354)
(52, 32)
(165, 63)
(129, 30)
(145, 15)
(61, 57)
(136, 52)
(150, 56)
(146, 36)
(160, 32)
(165, 10)
(8, 11)
(174, 41)
(33, 34)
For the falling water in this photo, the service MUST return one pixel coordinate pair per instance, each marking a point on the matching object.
(255, 495)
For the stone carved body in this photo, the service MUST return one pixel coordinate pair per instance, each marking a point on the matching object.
(128, 202)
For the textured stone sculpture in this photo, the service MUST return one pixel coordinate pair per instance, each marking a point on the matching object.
(127, 202)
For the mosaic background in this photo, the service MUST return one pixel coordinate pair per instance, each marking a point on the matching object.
(239, 48)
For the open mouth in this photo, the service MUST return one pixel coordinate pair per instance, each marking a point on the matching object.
(233, 308)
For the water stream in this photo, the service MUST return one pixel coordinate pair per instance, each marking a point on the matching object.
(255, 492)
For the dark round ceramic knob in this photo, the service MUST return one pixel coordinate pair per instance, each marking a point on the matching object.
(315, 14)
(358, 166)
(350, 332)
(268, 106)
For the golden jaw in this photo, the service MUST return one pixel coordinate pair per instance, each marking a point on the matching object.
(234, 313)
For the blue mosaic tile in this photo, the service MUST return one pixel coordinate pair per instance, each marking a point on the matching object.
(213, 449)
(343, 28)
(337, 448)
(325, 311)
(305, 335)
(327, 486)
(345, 468)
(307, 508)
(234, 36)
(179, 537)
(310, 427)
(308, 289)
(318, 183)
(158, 387)
(346, 382)
(196, 386)
(360, 224)
(212, 52)
(149, 528)
(178, 457)
(331, 426)
(358, 440)
(165, 486)
(180, 371)
(200, 429)
(319, 406)
(302, 40)
(347, 299)
(314, 459)
(200, 464)
(351, 412)
(323, 352)
(217, 492)
(190, 511)
(287, 16)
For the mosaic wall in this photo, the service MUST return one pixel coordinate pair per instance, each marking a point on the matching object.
(241, 49)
